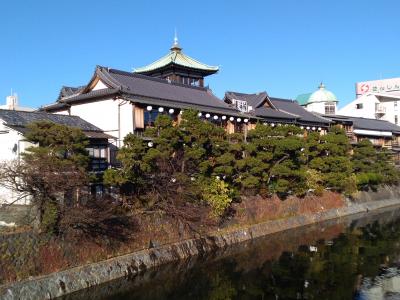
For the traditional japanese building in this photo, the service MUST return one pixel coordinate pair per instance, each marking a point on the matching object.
(122, 102)
(276, 111)
(381, 133)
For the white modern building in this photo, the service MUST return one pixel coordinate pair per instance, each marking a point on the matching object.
(377, 99)
(12, 103)
(321, 101)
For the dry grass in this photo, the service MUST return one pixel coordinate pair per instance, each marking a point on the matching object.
(257, 209)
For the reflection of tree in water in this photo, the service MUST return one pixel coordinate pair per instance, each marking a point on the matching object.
(333, 271)
(330, 273)
(265, 271)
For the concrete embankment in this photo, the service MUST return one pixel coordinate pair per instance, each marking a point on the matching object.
(71, 280)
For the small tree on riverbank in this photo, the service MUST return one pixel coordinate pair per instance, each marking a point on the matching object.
(273, 160)
(329, 158)
(164, 173)
(51, 173)
(373, 166)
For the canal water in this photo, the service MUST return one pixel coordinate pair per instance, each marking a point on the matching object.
(352, 258)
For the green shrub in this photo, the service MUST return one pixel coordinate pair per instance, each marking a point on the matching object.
(50, 218)
(218, 195)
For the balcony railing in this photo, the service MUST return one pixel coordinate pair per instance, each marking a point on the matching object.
(382, 143)
(380, 109)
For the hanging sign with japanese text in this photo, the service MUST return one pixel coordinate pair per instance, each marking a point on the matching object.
(377, 86)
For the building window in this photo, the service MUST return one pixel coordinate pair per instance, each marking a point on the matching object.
(359, 106)
(98, 157)
(395, 105)
(396, 119)
(150, 117)
(330, 108)
(238, 127)
(240, 105)
(193, 81)
(97, 190)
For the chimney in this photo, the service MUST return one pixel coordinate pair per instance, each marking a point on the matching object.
(12, 101)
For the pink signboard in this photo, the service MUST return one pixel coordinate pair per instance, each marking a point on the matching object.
(377, 86)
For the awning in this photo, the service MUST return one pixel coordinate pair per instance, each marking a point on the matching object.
(372, 132)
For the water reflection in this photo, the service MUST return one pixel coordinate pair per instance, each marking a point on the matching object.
(384, 286)
(353, 258)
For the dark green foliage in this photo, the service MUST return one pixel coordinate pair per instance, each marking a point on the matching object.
(131, 174)
(273, 159)
(50, 218)
(373, 166)
(65, 143)
(329, 155)
(184, 160)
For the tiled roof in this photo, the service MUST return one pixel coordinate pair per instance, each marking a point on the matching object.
(145, 89)
(266, 112)
(373, 124)
(22, 119)
(367, 124)
(176, 57)
(141, 85)
(292, 107)
(67, 91)
(284, 109)
(254, 100)
(64, 103)
(53, 107)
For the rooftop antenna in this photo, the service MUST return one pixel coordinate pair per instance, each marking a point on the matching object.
(175, 38)
(175, 46)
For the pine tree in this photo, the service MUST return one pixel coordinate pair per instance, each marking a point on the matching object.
(329, 155)
(50, 172)
(373, 166)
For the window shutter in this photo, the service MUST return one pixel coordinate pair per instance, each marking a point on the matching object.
(139, 117)
(230, 127)
(251, 126)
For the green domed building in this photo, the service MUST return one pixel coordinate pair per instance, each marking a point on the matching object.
(321, 101)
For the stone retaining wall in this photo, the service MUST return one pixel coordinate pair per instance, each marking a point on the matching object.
(382, 192)
(18, 214)
(68, 281)
(16, 247)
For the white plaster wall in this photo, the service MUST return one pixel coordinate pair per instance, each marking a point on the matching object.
(368, 110)
(8, 140)
(126, 119)
(318, 107)
(114, 117)
(391, 111)
(102, 113)
(11, 145)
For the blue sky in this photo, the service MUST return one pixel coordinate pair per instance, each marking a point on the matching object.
(285, 47)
